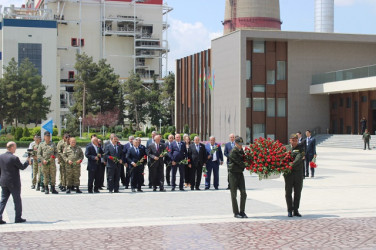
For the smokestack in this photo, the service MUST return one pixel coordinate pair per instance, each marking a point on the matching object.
(252, 14)
(324, 16)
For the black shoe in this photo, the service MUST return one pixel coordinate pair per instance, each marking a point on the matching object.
(53, 190)
(238, 216)
(32, 186)
(307, 175)
(198, 189)
(46, 191)
(162, 190)
(101, 188)
(68, 191)
(78, 191)
(243, 215)
(181, 189)
(133, 190)
(289, 214)
(206, 188)
(126, 187)
(116, 191)
(192, 188)
(216, 188)
(172, 189)
(139, 190)
(2, 222)
(297, 214)
(168, 184)
(42, 189)
(20, 220)
(96, 191)
(90, 191)
(73, 188)
(149, 186)
(154, 189)
(38, 187)
(110, 191)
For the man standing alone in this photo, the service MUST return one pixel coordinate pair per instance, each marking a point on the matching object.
(366, 138)
(10, 181)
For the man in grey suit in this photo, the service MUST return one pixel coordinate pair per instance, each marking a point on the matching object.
(10, 180)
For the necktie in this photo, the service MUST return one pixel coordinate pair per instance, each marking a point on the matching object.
(157, 147)
(137, 151)
(232, 144)
(197, 148)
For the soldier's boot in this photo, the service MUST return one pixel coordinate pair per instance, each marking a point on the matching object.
(53, 190)
(46, 191)
(38, 187)
(42, 189)
(32, 186)
(68, 190)
(73, 188)
(78, 191)
(63, 189)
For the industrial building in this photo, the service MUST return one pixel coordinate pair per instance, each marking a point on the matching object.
(270, 83)
(130, 34)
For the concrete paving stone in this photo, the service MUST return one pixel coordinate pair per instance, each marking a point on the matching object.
(337, 205)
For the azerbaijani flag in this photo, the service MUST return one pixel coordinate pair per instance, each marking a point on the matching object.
(210, 81)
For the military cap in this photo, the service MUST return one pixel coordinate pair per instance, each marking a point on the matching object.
(47, 133)
(239, 140)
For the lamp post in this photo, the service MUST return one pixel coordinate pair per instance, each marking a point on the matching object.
(160, 125)
(65, 123)
(80, 119)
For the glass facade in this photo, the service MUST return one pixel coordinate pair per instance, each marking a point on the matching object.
(281, 70)
(258, 47)
(281, 104)
(270, 111)
(258, 104)
(259, 88)
(270, 77)
(258, 130)
(32, 51)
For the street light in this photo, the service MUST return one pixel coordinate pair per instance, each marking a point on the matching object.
(80, 119)
(160, 125)
(65, 123)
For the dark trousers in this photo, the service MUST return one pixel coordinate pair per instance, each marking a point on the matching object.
(122, 175)
(136, 176)
(212, 166)
(168, 174)
(366, 143)
(127, 176)
(181, 173)
(157, 175)
(307, 167)
(113, 178)
(16, 194)
(94, 177)
(228, 178)
(150, 179)
(102, 170)
(187, 174)
(237, 182)
(293, 182)
(196, 173)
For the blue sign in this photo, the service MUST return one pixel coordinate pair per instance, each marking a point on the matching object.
(48, 126)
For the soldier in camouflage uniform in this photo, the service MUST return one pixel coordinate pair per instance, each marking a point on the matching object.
(73, 156)
(36, 175)
(60, 149)
(47, 153)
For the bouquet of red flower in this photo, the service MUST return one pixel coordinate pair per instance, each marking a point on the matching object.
(266, 157)
(204, 170)
(114, 159)
(313, 164)
(52, 158)
(215, 149)
(184, 162)
(142, 160)
(75, 164)
(165, 152)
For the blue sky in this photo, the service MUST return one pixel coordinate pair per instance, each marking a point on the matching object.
(195, 22)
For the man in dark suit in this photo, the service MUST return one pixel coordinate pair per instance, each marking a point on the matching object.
(228, 147)
(198, 156)
(302, 145)
(167, 159)
(126, 147)
(156, 163)
(94, 154)
(102, 166)
(177, 154)
(136, 161)
(113, 155)
(310, 153)
(148, 143)
(10, 181)
(215, 159)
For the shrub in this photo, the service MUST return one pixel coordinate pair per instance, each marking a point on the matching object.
(186, 129)
(26, 132)
(55, 132)
(118, 129)
(13, 130)
(171, 129)
(139, 134)
(36, 131)
(9, 129)
(26, 138)
(165, 136)
(56, 138)
(192, 136)
(18, 134)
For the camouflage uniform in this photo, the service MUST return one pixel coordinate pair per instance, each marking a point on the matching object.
(36, 173)
(60, 149)
(73, 171)
(45, 151)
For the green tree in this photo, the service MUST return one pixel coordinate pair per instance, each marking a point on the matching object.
(135, 99)
(18, 135)
(154, 106)
(167, 99)
(26, 132)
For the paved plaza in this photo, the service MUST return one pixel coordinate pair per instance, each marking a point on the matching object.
(338, 208)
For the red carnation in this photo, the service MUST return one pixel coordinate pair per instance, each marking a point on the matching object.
(145, 157)
(255, 170)
(52, 157)
(189, 160)
(111, 158)
(205, 175)
(290, 167)
(278, 169)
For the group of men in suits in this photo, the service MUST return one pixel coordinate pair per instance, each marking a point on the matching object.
(309, 147)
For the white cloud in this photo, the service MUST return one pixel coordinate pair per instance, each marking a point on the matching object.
(186, 39)
(353, 2)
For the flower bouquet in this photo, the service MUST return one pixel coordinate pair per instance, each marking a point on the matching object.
(267, 158)
(51, 159)
(114, 159)
(142, 160)
(215, 149)
(313, 164)
(184, 162)
(75, 164)
(204, 171)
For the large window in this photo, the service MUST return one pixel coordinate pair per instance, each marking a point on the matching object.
(258, 130)
(270, 110)
(259, 88)
(281, 70)
(248, 102)
(281, 107)
(270, 77)
(249, 70)
(258, 47)
(248, 135)
(258, 104)
(32, 51)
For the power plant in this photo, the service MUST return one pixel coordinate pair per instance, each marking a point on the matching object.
(324, 16)
(251, 14)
